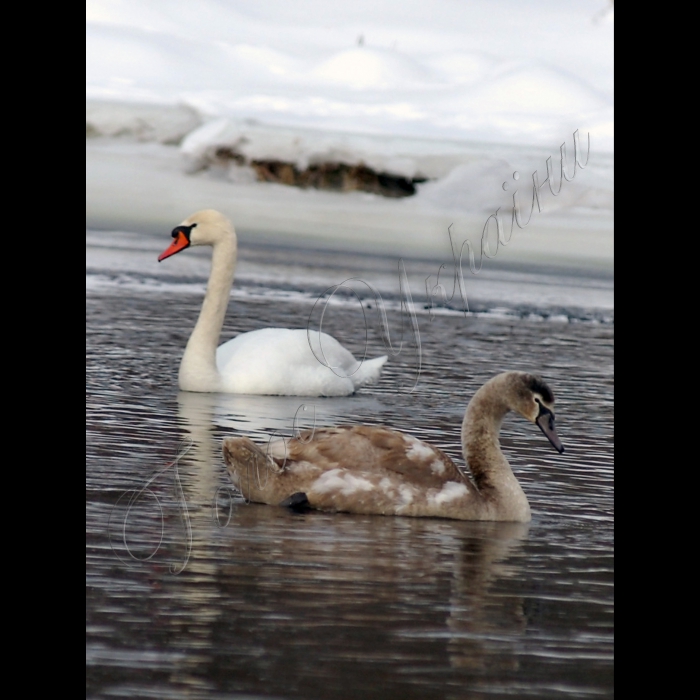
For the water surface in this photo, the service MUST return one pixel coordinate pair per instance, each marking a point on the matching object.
(193, 593)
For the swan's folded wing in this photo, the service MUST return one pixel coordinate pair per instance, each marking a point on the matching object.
(375, 449)
(417, 461)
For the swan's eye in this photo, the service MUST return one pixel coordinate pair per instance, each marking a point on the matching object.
(185, 230)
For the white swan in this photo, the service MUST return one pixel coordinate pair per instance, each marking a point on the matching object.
(375, 470)
(267, 361)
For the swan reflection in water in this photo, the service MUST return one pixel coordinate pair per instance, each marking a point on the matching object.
(483, 619)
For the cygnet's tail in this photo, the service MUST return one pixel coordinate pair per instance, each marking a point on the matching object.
(252, 471)
(369, 371)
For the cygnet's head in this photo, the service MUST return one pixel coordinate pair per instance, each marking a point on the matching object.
(205, 227)
(534, 400)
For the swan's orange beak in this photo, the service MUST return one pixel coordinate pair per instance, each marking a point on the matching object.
(180, 242)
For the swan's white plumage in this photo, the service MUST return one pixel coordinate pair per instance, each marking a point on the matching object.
(280, 361)
(266, 361)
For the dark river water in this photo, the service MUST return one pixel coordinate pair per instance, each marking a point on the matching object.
(193, 593)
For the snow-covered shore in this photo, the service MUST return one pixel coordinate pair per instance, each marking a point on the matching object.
(462, 100)
(488, 70)
(144, 187)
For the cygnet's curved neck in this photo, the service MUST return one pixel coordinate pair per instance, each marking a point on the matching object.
(482, 451)
(198, 370)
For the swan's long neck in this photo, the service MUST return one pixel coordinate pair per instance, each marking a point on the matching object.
(482, 451)
(198, 370)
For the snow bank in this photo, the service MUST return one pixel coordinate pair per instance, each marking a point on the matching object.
(462, 73)
(462, 177)
(410, 158)
(460, 94)
(374, 69)
(143, 122)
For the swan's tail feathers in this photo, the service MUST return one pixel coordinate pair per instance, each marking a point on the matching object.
(369, 371)
(252, 471)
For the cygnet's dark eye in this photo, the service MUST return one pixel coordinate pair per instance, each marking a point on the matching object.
(543, 409)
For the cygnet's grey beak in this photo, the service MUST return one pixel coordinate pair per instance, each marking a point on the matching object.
(545, 420)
